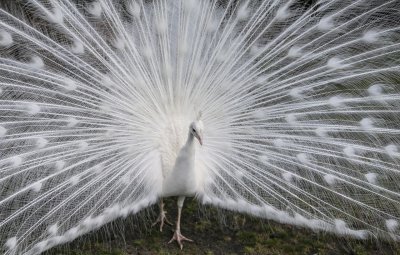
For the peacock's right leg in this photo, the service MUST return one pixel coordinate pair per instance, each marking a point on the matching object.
(162, 217)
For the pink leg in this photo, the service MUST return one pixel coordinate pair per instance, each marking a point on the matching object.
(162, 218)
(178, 237)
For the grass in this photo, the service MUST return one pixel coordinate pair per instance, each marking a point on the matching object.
(215, 232)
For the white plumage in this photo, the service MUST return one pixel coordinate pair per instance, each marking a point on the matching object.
(100, 102)
(181, 170)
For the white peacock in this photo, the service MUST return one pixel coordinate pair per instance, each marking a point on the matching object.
(100, 102)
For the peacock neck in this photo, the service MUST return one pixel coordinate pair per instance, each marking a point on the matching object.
(190, 141)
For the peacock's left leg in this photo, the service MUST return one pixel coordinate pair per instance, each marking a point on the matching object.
(177, 235)
(162, 217)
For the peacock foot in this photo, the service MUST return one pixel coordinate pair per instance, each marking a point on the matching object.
(162, 219)
(179, 238)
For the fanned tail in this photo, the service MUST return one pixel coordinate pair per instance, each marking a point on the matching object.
(312, 137)
(300, 106)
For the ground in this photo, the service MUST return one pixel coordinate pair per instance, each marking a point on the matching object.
(215, 232)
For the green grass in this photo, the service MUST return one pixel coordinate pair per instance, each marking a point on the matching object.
(215, 232)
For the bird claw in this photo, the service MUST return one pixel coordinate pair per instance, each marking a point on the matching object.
(179, 238)
(162, 219)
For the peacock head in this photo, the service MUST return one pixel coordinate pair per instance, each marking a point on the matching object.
(196, 129)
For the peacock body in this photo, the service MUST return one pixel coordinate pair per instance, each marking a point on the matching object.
(299, 105)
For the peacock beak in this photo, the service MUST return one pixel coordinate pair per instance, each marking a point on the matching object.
(199, 138)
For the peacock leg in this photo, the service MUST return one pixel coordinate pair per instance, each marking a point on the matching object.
(177, 235)
(162, 217)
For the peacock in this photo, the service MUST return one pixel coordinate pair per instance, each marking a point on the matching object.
(285, 110)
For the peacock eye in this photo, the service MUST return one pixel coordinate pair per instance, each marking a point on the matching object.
(193, 130)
